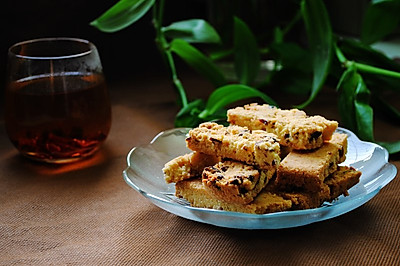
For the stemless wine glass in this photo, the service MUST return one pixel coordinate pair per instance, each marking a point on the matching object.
(57, 107)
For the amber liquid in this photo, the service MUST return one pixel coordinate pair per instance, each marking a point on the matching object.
(58, 118)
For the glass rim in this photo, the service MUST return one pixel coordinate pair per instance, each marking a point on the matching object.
(90, 48)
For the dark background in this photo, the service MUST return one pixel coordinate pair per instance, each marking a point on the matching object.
(128, 52)
(132, 52)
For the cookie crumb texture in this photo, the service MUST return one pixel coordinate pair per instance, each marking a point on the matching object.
(253, 147)
(244, 168)
(308, 169)
(187, 166)
(335, 184)
(197, 195)
(293, 127)
(233, 181)
(271, 199)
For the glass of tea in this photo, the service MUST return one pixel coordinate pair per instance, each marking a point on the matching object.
(57, 108)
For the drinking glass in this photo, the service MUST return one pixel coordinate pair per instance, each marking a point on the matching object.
(57, 107)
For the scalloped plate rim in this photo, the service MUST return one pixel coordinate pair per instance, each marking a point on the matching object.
(360, 200)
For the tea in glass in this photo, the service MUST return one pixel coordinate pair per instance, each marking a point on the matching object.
(57, 105)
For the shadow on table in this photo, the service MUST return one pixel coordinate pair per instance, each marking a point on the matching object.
(47, 185)
(171, 239)
(27, 168)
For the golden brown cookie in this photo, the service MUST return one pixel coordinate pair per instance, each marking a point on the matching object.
(342, 180)
(194, 191)
(293, 127)
(187, 166)
(335, 185)
(233, 181)
(308, 169)
(254, 147)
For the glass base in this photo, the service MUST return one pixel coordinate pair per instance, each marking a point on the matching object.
(38, 157)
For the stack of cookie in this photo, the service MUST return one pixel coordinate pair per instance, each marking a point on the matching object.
(267, 160)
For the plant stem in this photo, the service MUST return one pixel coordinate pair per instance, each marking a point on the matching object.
(373, 70)
(160, 12)
(339, 54)
(163, 47)
(290, 25)
(364, 67)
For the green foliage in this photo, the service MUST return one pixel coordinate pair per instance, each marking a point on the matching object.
(189, 114)
(392, 147)
(228, 94)
(293, 56)
(381, 18)
(193, 31)
(354, 105)
(361, 73)
(246, 52)
(320, 39)
(197, 60)
(122, 14)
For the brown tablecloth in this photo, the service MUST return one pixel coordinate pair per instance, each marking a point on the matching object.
(85, 214)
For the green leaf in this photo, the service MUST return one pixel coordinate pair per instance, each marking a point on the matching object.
(193, 31)
(380, 83)
(392, 147)
(278, 35)
(363, 111)
(291, 55)
(197, 60)
(246, 52)
(219, 54)
(355, 112)
(380, 19)
(231, 93)
(346, 88)
(122, 14)
(319, 32)
(363, 53)
(188, 115)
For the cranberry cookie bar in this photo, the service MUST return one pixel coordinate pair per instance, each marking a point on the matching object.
(308, 169)
(341, 181)
(253, 147)
(233, 181)
(336, 184)
(293, 127)
(187, 166)
(194, 191)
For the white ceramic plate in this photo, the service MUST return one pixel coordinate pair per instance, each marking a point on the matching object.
(144, 174)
